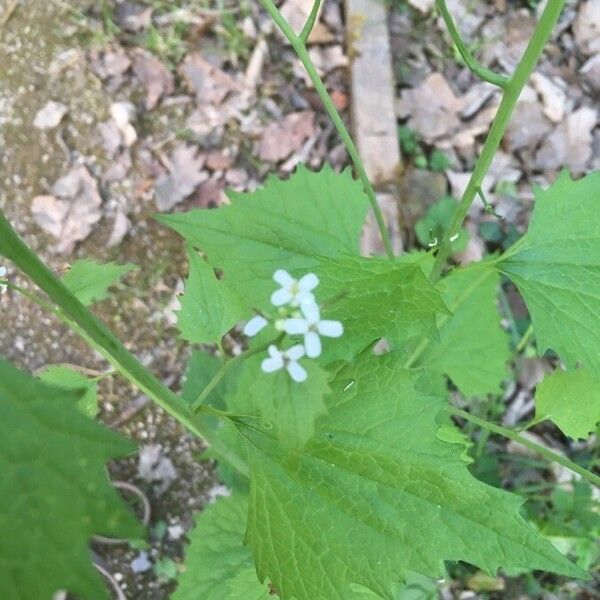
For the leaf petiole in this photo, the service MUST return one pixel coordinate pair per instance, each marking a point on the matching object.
(515, 436)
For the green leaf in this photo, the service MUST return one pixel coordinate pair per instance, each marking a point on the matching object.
(245, 586)
(571, 400)
(473, 329)
(209, 308)
(556, 267)
(54, 492)
(216, 556)
(90, 280)
(433, 226)
(287, 407)
(201, 368)
(376, 494)
(285, 224)
(375, 298)
(70, 379)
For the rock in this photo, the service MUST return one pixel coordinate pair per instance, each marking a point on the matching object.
(553, 96)
(433, 108)
(570, 144)
(591, 73)
(527, 127)
(155, 467)
(423, 6)
(475, 98)
(122, 114)
(296, 12)
(50, 116)
(587, 27)
(141, 563)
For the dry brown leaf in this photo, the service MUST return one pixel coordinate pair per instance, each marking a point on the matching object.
(209, 83)
(70, 213)
(185, 175)
(432, 107)
(111, 63)
(154, 76)
(281, 138)
(133, 17)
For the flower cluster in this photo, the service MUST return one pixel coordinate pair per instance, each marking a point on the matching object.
(299, 316)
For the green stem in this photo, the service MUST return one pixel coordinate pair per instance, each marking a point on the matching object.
(310, 22)
(197, 405)
(98, 336)
(545, 452)
(471, 62)
(524, 340)
(510, 97)
(300, 48)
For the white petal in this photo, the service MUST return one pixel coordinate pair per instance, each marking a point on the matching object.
(269, 365)
(254, 325)
(295, 326)
(281, 297)
(283, 278)
(309, 282)
(297, 372)
(311, 312)
(303, 298)
(295, 352)
(312, 343)
(274, 351)
(330, 328)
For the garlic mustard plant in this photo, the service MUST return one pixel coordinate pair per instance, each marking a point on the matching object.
(363, 454)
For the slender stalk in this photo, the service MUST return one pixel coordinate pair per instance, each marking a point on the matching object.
(524, 340)
(471, 62)
(197, 405)
(98, 336)
(310, 22)
(300, 48)
(510, 97)
(513, 435)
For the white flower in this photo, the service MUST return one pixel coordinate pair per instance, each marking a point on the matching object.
(312, 327)
(288, 359)
(3, 287)
(254, 325)
(292, 291)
